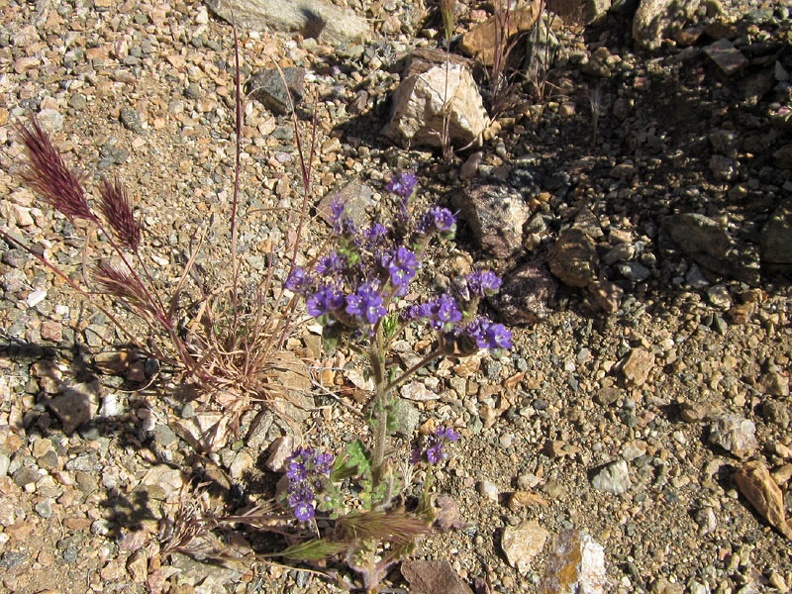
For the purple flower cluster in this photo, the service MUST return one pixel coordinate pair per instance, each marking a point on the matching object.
(483, 283)
(306, 471)
(366, 303)
(489, 335)
(442, 313)
(434, 448)
(402, 264)
(437, 220)
(402, 184)
(372, 266)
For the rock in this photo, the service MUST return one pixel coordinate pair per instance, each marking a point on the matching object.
(783, 157)
(480, 41)
(755, 483)
(496, 215)
(719, 296)
(636, 367)
(77, 405)
(728, 58)
(266, 87)
(575, 12)
(577, 565)
(775, 240)
(710, 246)
(605, 296)
(405, 418)
(522, 543)
(723, 168)
(417, 392)
(735, 434)
(775, 384)
(573, 258)
(242, 463)
(526, 295)
(430, 93)
(312, 18)
(633, 271)
(280, 450)
(356, 198)
(489, 490)
(429, 577)
(656, 20)
(521, 499)
(612, 478)
(207, 431)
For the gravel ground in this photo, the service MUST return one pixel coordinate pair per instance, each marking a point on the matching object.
(628, 426)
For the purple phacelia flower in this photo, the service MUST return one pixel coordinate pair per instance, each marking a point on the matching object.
(402, 184)
(437, 220)
(323, 463)
(446, 434)
(445, 312)
(489, 335)
(366, 303)
(422, 311)
(435, 446)
(297, 280)
(305, 472)
(482, 283)
(326, 299)
(337, 208)
(304, 511)
(374, 234)
(333, 263)
(402, 265)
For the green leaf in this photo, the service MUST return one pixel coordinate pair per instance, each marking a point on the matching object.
(390, 324)
(356, 461)
(359, 456)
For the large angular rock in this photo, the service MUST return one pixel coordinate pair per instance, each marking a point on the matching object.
(709, 245)
(495, 214)
(522, 543)
(480, 41)
(656, 20)
(579, 12)
(526, 295)
(312, 18)
(76, 405)
(430, 92)
(573, 258)
(576, 565)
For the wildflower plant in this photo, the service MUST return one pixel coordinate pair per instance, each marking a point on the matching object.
(358, 291)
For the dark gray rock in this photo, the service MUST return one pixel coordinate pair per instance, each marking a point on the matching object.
(76, 406)
(775, 240)
(496, 215)
(267, 88)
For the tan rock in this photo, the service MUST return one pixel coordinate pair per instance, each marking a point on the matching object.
(480, 41)
(522, 543)
(444, 99)
(636, 368)
(755, 482)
